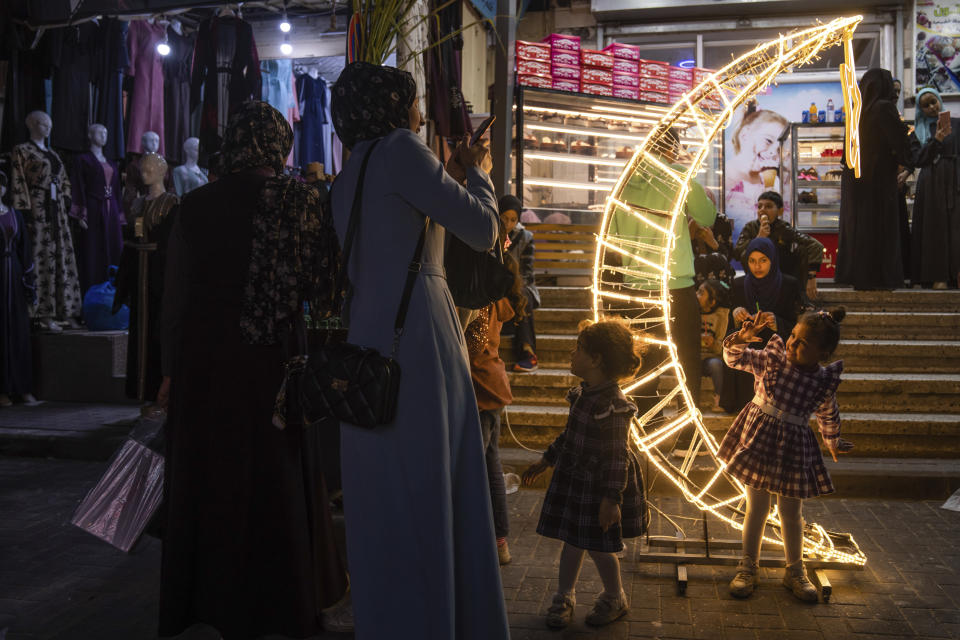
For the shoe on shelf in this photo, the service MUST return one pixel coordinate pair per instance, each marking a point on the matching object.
(528, 364)
(339, 617)
(503, 552)
(606, 610)
(795, 579)
(5, 400)
(560, 613)
(939, 285)
(745, 581)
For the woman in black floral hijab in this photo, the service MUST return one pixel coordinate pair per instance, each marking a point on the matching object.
(257, 136)
(369, 101)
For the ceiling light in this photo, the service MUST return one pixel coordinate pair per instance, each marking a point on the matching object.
(286, 48)
(285, 23)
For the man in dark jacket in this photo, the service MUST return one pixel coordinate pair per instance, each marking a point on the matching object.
(800, 254)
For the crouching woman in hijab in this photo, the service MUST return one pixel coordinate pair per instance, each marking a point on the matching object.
(248, 545)
(420, 542)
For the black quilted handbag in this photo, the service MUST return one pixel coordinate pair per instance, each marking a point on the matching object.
(348, 382)
(475, 278)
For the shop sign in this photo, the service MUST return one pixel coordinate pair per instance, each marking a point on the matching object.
(937, 39)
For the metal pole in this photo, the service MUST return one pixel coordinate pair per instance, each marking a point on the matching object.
(143, 324)
(898, 58)
(502, 130)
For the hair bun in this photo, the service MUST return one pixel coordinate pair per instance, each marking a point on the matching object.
(838, 314)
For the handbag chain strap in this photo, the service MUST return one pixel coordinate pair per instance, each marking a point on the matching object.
(413, 270)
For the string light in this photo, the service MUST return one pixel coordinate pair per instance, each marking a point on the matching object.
(649, 265)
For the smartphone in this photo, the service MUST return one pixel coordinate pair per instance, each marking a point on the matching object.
(944, 120)
(482, 129)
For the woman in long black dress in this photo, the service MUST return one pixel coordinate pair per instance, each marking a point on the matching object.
(869, 253)
(936, 211)
(765, 288)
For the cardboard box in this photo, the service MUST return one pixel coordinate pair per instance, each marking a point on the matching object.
(623, 51)
(654, 96)
(653, 69)
(533, 67)
(563, 41)
(699, 75)
(533, 50)
(622, 65)
(596, 59)
(565, 72)
(596, 76)
(542, 82)
(679, 74)
(626, 79)
(630, 93)
(654, 84)
(565, 56)
(562, 84)
(597, 89)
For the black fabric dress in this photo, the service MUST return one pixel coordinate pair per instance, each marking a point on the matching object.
(868, 256)
(248, 545)
(935, 246)
(176, 94)
(109, 62)
(71, 109)
(16, 292)
(738, 385)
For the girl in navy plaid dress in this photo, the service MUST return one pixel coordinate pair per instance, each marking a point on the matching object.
(595, 497)
(770, 447)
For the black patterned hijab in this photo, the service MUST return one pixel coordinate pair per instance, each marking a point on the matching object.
(369, 101)
(256, 136)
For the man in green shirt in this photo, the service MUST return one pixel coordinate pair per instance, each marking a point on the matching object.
(656, 190)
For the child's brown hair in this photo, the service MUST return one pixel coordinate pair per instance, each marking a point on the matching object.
(618, 348)
(825, 327)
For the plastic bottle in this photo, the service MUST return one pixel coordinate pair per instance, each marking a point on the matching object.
(813, 112)
(830, 112)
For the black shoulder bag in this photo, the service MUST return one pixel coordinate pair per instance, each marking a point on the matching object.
(345, 381)
(475, 278)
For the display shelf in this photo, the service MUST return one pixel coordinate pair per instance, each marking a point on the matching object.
(823, 184)
(820, 161)
(802, 206)
(800, 147)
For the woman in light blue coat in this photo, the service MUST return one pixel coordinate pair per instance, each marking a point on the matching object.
(420, 542)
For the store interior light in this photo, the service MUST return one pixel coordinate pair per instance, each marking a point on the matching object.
(286, 48)
(163, 47)
(687, 64)
(285, 23)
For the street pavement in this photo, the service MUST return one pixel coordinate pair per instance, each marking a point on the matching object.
(57, 581)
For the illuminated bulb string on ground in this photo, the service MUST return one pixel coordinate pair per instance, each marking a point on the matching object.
(631, 273)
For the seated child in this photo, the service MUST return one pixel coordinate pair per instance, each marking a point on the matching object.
(714, 314)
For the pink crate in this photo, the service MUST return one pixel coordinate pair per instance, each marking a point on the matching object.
(565, 56)
(626, 79)
(542, 82)
(596, 59)
(679, 87)
(565, 72)
(654, 84)
(563, 41)
(630, 93)
(621, 65)
(533, 50)
(533, 67)
(699, 75)
(561, 84)
(596, 76)
(654, 69)
(679, 74)
(654, 96)
(623, 51)
(597, 89)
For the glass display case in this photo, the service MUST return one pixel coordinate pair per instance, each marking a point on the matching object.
(572, 148)
(811, 163)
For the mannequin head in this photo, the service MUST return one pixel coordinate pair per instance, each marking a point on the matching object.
(149, 142)
(39, 124)
(191, 149)
(153, 169)
(97, 134)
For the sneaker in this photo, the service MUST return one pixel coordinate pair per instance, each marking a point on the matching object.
(528, 364)
(560, 613)
(745, 581)
(503, 552)
(606, 610)
(795, 579)
(339, 617)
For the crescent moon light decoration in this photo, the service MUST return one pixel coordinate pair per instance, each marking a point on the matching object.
(630, 275)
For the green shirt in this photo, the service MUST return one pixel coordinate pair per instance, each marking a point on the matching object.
(658, 191)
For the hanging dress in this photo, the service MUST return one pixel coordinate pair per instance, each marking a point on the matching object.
(145, 108)
(96, 191)
(16, 293)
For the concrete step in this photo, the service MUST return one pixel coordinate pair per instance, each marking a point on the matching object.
(899, 356)
(565, 297)
(558, 320)
(897, 300)
(900, 325)
(81, 366)
(77, 431)
(553, 350)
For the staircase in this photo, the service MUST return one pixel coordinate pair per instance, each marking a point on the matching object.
(899, 399)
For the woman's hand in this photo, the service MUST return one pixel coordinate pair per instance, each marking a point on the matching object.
(534, 471)
(812, 286)
(740, 314)
(470, 156)
(609, 513)
(943, 130)
(455, 170)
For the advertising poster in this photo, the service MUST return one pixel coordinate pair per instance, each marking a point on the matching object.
(752, 149)
(937, 28)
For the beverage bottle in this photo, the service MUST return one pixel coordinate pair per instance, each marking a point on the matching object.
(813, 112)
(830, 110)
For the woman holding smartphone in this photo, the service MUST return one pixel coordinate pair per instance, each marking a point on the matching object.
(935, 252)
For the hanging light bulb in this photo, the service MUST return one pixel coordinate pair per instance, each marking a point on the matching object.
(285, 23)
(163, 47)
(286, 48)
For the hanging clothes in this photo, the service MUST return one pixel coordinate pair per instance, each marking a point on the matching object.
(176, 94)
(41, 190)
(109, 62)
(72, 53)
(145, 107)
(314, 111)
(26, 72)
(96, 189)
(280, 91)
(448, 108)
(16, 291)
(226, 73)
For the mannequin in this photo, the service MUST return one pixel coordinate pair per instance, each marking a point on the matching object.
(41, 190)
(16, 290)
(96, 208)
(140, 279)
(133, 185)
(189, 176)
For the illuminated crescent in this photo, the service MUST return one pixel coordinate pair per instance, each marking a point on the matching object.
(630, 271)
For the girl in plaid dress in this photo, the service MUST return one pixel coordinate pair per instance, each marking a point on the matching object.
(595, 497)
(770, 447)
